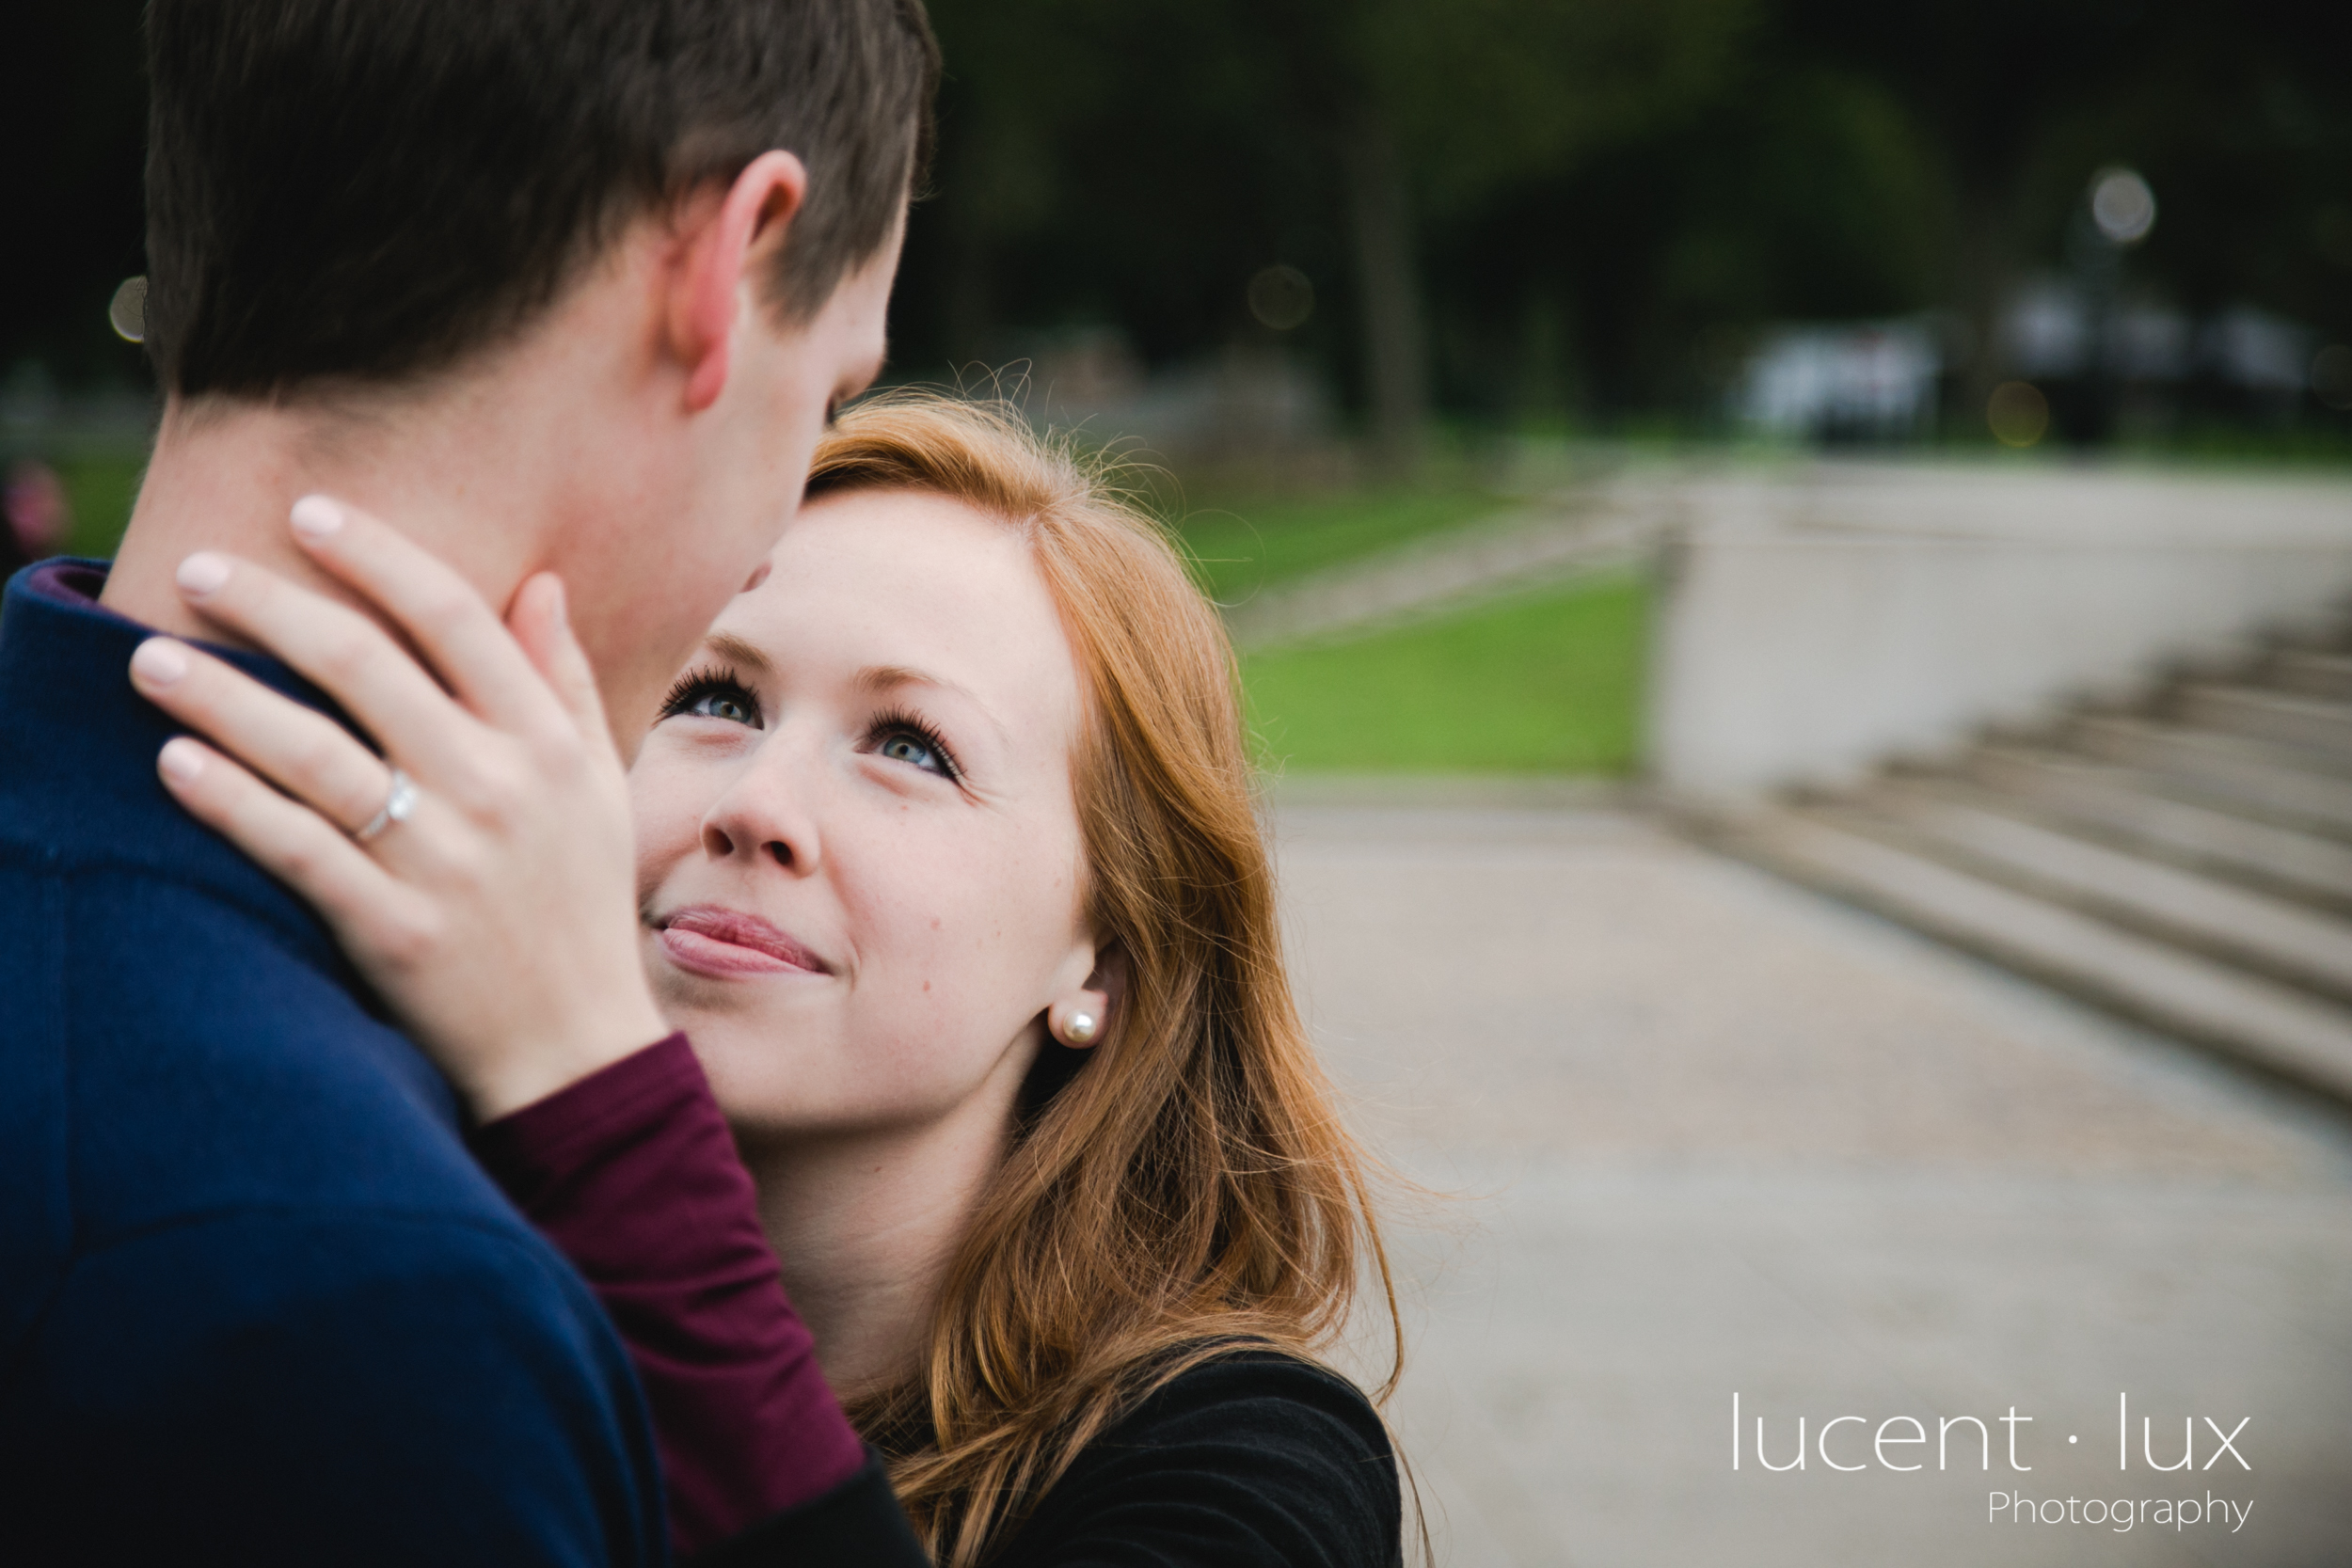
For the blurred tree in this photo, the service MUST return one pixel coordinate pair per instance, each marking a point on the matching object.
(2243, 124)
(1411, 112)
(73, 120)
(1457, 100)
(1502, 204)
(1994, 81)
(2239, 116)
(1794, 190)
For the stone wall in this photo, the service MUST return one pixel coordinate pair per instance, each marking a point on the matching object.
(1818, 620)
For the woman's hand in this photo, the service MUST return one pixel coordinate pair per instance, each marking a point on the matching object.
(497, 916)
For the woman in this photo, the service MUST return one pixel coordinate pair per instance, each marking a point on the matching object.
(947, 863)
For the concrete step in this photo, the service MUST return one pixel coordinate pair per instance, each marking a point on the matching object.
(2125, 807)
(2313, 674)
(2181, 993)
(2287, 941)
(2278, 718)
(2271, 783)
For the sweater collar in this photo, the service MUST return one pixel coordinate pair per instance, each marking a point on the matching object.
(78, 746)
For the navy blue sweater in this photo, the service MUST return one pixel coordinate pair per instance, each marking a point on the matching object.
(257, 1306)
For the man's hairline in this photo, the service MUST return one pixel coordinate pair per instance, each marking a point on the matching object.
(338, 395)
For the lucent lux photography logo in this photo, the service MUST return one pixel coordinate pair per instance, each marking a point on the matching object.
(1903, 1443)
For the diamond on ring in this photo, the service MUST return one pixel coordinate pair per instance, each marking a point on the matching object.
(398, 802)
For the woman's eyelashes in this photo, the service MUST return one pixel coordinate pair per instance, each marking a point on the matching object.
(900, 737)
(711, 693)
(895, 735)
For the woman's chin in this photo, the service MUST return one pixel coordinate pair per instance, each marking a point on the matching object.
(683, 991)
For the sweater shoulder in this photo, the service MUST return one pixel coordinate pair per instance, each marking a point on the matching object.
(1252, 1459)
(1283, 1397)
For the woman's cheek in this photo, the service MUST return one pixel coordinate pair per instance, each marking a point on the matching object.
(663, 815)
(955, 938)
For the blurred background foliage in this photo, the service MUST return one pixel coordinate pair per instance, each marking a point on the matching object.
(1584, 209)
(1422, 232)
(1507, 209)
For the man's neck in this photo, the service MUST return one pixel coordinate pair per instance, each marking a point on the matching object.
(224, 475)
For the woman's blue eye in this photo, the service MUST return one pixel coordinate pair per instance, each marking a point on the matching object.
(712, 694)
(911, 749)
(903, 737)
(721, 704)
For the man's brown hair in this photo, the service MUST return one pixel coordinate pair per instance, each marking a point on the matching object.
(370, 190)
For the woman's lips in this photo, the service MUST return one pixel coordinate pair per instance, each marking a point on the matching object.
(724, 943)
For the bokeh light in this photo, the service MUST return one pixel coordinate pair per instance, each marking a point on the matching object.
(2123, 205)
(2018, 413)
(127, 310)
(1281, 297)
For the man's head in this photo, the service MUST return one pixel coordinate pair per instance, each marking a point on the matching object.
(372, 190)
(374, 199)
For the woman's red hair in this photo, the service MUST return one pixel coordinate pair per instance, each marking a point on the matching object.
(1190, 1187)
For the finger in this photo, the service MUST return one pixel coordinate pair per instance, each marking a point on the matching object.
(355, 660)
(286, 838)
(462, 636)
(540, 622)
(304, 752)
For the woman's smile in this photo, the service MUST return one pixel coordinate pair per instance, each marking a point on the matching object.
(720, 943)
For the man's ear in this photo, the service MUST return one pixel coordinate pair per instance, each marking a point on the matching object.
(708, 293)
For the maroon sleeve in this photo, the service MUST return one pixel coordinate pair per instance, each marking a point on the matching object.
(631, 1173)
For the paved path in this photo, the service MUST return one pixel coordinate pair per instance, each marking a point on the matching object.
(1605, 527)
(1721, 1135)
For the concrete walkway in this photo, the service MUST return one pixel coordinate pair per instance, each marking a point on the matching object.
(1717, 1135)
(1605, 527)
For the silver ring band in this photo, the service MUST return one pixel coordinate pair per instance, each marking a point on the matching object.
(398, 802)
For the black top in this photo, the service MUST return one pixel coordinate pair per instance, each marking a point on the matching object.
(1254, 1460)
(857, 1523)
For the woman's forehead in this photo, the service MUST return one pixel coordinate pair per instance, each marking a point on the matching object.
(908, 579)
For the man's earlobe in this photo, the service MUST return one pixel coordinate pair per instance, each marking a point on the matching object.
(758, 207)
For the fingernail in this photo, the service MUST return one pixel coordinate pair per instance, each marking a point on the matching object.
(180, 761)
(203, 573)
(316, 516)
(159, 661)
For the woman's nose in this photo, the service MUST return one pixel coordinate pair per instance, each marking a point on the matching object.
(765, 812)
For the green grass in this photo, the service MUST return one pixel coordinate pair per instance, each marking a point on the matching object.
(1548, 684)
(1240, 548)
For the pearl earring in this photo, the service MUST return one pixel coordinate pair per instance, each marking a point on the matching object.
(1080, 1029)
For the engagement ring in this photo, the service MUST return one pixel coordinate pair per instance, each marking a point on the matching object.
(398, 802)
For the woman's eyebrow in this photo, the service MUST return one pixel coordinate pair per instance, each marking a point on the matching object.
(885, 677)
(735, 650)
(879, 678)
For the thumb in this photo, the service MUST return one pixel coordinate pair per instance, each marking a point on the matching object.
(539, 621)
